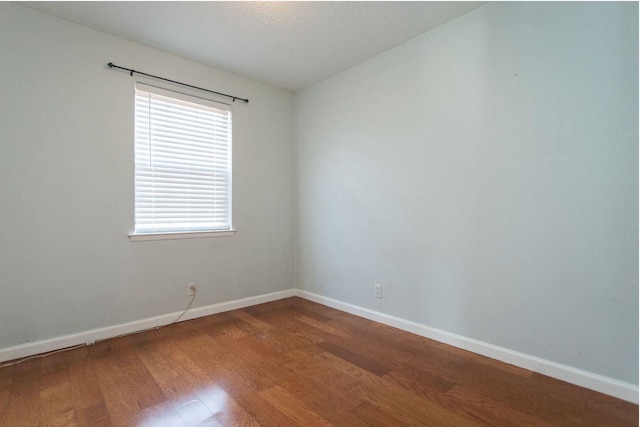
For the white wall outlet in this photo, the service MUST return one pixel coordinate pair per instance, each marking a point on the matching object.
(378, 290)
(191, 291)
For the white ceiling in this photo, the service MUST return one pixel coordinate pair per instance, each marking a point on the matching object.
(291, 45)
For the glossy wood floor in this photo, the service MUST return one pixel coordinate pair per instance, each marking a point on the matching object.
(290, 362)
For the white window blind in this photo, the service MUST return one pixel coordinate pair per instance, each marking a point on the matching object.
(182, 163)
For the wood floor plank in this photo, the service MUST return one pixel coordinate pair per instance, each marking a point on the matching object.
(56, 405)
(323, 326)
(197, 358)
(399, 403)
(418, 382)
(256, 405)
(161, 369)
(390, 403)
(494, 412)
(322, 373)
(162, 415)
(185, 402)
(138, 377)
(265, 348)
(452, 397)
(85, 389)
(363, 362)
(231, 326)
(286, 363)
(388, 353)
(249, 364)
(376, 416)
(525, 396)
(23, 407)
(225, 409)
(602, 410)
(323, 401)
(195, 412)
(294, 343)
(307, 388)
(95, 415)
(312, 314)
(255, 322)
(235, 415)
(120, 401)
(292, 407)
(6, 379)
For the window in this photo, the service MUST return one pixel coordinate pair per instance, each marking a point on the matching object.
(182, 163)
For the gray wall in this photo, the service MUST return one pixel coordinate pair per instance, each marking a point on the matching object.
(486, 173)
(66, 187)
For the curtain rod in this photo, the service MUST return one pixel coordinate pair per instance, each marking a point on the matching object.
(112, 65)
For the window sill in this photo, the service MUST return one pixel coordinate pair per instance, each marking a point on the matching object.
(180, 235)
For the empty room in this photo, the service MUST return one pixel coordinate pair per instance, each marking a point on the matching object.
(319, 213)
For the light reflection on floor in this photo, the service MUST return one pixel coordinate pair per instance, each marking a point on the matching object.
(204, 405)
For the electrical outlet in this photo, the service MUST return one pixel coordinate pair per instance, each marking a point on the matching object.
(192, 289)
(378, 290)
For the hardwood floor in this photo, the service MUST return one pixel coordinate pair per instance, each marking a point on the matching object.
(287, 363)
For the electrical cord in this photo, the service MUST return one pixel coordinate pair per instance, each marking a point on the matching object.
(90, 343)
(181, 314)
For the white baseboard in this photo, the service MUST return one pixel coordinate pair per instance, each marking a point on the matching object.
(44, 346)
(612, 387)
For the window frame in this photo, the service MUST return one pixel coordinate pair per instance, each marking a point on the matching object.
(207, 101)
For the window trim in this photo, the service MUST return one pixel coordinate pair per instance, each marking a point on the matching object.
(143, 237)
(185, 95)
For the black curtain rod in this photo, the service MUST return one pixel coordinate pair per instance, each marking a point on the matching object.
(112, 65)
